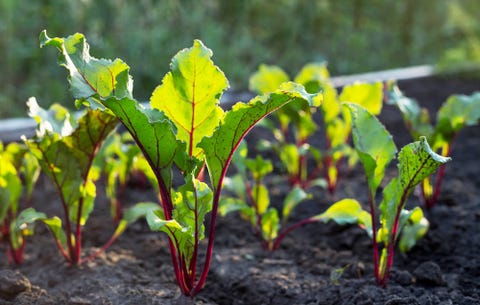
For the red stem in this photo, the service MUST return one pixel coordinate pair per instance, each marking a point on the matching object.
(374, 236)
(289, 229)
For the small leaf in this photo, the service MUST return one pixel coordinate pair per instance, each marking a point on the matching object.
(267, 79)
(134, 213)
(262, 200)
(22, 225)
(347, 211)
(290, 157)
(414, 227)
(270, 225)
(292, 200)
(55, 226)
(259, 167)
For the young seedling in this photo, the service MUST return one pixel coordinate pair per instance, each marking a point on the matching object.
(65, 149)
(184, 128)
(252, 199)
(295, 151)
(416, 161)
(19, 172)
(457, 112)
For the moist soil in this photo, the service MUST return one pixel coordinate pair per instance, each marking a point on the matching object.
(316, 264)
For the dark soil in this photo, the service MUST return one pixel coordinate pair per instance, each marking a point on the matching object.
(444, 267)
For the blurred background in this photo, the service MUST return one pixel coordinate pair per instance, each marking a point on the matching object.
(353, 36)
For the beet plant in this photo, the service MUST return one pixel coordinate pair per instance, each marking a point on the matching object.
(65, 148)
(457, 112)
(184, 129)
(390, 223)
(19, 172)
(297, 132)
(251, 198)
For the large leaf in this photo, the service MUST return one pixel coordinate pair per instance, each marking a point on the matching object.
(90, 78)
(373, 143)
(190, 93)
(416, 162)
(238, 121)
(153, 132)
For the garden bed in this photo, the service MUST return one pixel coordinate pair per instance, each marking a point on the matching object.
(444, 267)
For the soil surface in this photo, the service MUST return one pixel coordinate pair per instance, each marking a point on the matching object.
(444, 267)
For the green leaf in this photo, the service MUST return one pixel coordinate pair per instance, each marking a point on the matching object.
(415, 226)
(22, 225)
(55, 226)
(290, 156)
(154, 134)
(313, 77)
(190, 95)
(260, 195)
(228, 205)
(259, 167)
(238, 121)
(456, 113)
(267, 79)
(67, 159)
(90, 78)
(292, 200)
(10, 187)
(417, 119)
(373, 143)
(134, 213)
(347, 211)
(369, 96)
(270, 225)
(417, 161)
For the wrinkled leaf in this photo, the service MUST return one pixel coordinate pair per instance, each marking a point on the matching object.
(416, 162)
(90, 78)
